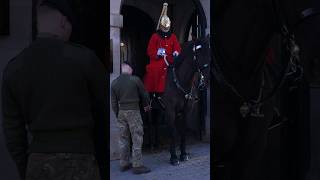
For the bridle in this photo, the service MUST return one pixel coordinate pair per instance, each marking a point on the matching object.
(188, 94)
(252, 107)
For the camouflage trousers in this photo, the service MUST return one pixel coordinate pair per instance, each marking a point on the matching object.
(62, 166)
(130, 123)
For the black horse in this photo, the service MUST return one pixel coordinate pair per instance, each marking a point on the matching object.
(241, 32)
(180, 88)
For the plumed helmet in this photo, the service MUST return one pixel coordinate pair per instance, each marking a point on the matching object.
(164, 22)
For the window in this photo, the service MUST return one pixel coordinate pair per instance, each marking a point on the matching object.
(4, 17)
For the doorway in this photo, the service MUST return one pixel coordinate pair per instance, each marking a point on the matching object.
(137, 29)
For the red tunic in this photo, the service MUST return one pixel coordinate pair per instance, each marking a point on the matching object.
(156, 70)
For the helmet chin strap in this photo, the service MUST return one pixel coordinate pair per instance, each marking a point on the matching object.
(164, 30)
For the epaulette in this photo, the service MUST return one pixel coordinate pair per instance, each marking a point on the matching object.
(15, 57)
(4, 71)
(115, 81)
(77, 45)
(134, 77)
(82, 47)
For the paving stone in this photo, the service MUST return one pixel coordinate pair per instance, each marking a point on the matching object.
(198, 167)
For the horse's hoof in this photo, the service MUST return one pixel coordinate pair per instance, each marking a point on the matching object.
(184, 157)
(174, 162)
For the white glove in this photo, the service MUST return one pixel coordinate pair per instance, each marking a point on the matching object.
(161, 52)
(175, 53)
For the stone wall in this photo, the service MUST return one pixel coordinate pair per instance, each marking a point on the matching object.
(206, 7)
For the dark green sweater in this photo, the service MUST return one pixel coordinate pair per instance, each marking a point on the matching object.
(126, 93)
(59, 91)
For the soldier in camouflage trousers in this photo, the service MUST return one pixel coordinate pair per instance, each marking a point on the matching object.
(126, 93)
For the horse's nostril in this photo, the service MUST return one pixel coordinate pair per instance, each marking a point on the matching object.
(316, 65)
(316, 70)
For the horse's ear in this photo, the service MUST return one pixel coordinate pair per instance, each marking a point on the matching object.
(206, 39)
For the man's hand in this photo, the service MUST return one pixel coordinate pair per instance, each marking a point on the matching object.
(147, 108)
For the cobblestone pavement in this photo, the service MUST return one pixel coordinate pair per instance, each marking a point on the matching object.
(198, 167)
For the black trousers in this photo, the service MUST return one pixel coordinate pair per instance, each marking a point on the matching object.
(62, 166)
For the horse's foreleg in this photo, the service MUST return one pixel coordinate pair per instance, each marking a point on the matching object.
(152, 117)
(182, 131)
(183, 144)
(170, 117)
(184, 156)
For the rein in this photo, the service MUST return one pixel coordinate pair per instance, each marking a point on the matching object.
(189, 94)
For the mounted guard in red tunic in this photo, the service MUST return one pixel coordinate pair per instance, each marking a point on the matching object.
(163, 47)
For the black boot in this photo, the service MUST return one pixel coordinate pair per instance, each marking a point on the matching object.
(184, 157)
(174, 161)
(125, 168)
(140, 170)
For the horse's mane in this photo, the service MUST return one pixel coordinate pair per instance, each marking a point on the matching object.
(187, 50)
(220, 7)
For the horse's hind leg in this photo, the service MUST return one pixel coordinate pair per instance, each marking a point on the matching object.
(155, 127)
(170, 117)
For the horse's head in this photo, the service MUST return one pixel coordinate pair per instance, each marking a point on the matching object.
(201, 58)
(241, 37)
(302, 17)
